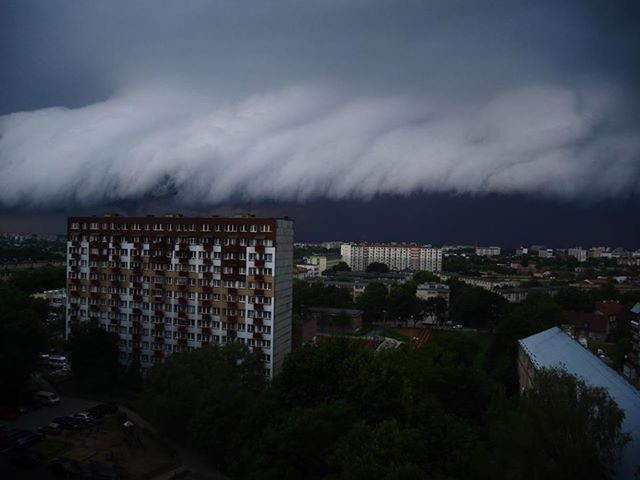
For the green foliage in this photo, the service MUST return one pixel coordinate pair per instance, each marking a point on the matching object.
(378, 267)
(425, 277)
(93, 353)
(403, 303)
(373, 302)
(319, 295)
(340, 267)
(564, 429)
(32, 250)
(21, 340)
(475, 306)
(39, 279)
(575, 300)
(200, 396)
(437, 307)
(537, 313)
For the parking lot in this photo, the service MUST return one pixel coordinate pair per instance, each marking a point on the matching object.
(40, 417)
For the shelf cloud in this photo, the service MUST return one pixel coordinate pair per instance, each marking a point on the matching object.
(206, 103)
(302, 143)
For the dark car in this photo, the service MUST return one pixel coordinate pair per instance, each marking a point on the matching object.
(8, 438)
(64, 467)
(67, 422)
(103, 409)
(28, 439)
(25, 458)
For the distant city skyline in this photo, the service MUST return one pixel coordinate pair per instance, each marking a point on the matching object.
(507, 221)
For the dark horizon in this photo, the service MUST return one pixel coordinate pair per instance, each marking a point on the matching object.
(440, 219)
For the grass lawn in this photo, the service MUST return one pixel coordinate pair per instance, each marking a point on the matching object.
(50, 448)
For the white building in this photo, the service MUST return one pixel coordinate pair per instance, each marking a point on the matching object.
(173, 284)
(487, 251)
(579, 253)
(397, 256)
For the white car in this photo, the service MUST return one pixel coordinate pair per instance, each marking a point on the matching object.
(83, 416)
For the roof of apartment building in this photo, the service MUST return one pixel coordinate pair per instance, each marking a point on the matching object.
(636, 308)
(553, 347)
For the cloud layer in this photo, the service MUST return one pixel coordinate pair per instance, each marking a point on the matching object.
(307, 142)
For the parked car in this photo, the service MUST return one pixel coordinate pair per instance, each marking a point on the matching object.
(67, 422)
(64, 467)
(83, 416)
(28, 439)
(103, 409)
(51, 429)
(57, 361)
(47, 398)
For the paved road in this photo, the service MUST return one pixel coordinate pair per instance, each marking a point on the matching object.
(44, 415)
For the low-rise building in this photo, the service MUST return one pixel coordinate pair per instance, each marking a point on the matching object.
(425, 291)
(324, 261)
(578, 253)
(487, 251)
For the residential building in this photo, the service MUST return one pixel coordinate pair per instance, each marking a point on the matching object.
(324, 262)
(425, 291)
(578, 253)
(554, 348)
(173, 283)
(596, 326)
(487, 251)
(397, 256)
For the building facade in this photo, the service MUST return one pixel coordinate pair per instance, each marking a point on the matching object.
(487, 251)
(578, 253)
(425, 291)
(397, 256)
(170, 284)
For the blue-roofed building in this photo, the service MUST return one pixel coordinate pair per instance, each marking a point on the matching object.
(632, 362)
(554, 348)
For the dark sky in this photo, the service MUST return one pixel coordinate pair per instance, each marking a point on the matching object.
(444, 121)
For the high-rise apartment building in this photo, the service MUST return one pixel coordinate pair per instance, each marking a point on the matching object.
(397, 256)
(174, 283)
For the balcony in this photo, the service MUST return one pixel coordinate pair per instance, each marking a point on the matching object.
(158, 353)
(257, 321)
(258, 291)
(182, 328)
(137, 298)
(258, 306)
(206, 316)
(257, 335)
(182, 314)
(159, 340)
(206, 330)
(159, 327)
(115, 309)
(232, 333)
(137, 311)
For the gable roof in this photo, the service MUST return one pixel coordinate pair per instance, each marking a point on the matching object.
(554, 348)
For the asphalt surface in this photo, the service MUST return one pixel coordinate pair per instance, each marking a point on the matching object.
(33, 419)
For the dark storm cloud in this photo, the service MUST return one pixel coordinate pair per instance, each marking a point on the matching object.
(212, 101)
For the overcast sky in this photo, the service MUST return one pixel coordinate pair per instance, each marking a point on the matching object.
(311, 106)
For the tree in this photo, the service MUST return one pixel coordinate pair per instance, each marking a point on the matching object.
(565, 428)
(21, 340)
(93, 353)
(200, 397)
(373, 302)
(575, 300)
(436, 307)
(39, 279)
(425, 277)
(403, 303)
(475, 306)
(340, 267)
(378, 267)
